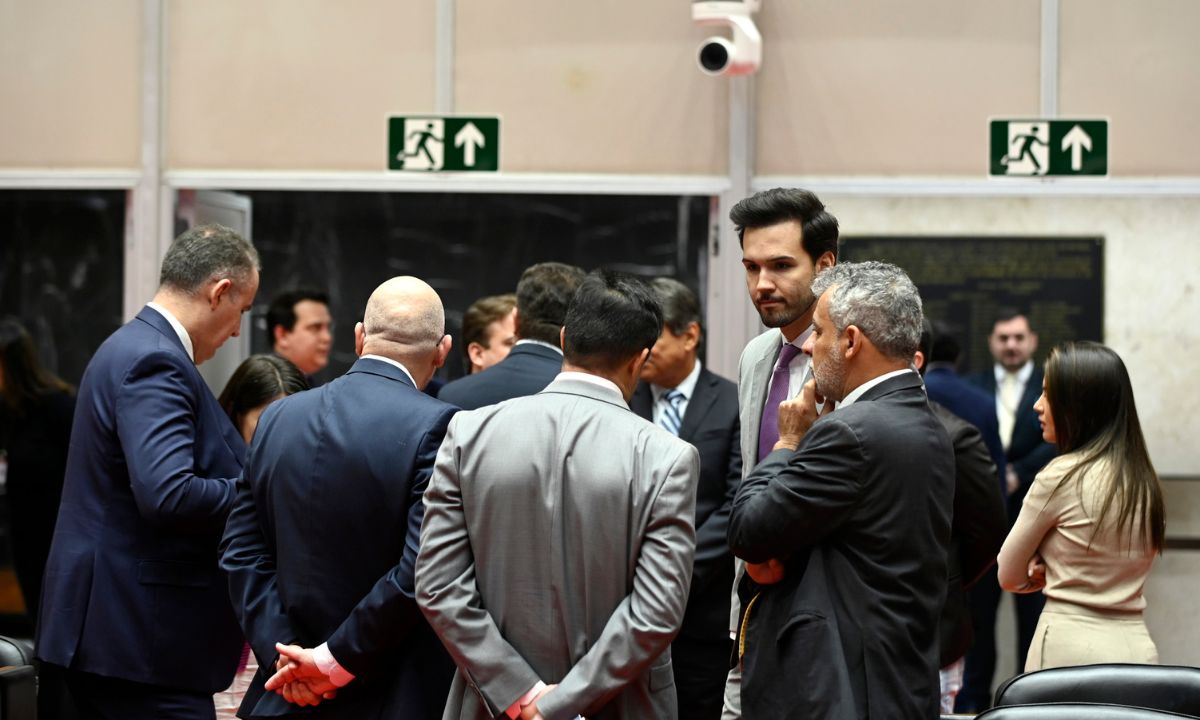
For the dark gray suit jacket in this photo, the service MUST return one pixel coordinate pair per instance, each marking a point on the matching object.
(977, 530)
(860, 513)
(711, 425)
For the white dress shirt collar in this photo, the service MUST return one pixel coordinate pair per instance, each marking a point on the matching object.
(593, 379)
(799, 341)
(858, 392)
(392, 362)
(1023, 374)
(177, 326)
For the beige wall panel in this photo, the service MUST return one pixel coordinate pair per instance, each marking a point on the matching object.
(891, 88)
(1151, 299)
(1137, 63)
(592, 87)
(294, 84)
(70, 79)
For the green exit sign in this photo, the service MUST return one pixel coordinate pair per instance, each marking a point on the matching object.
(1056, 148)
(443, 143)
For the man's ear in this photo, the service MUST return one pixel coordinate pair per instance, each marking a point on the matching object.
(634, 367)
(918, 360)
(222, 287)
(1032, 342)
(562, 338)
(826, 261)
(360, 337)
(278, 332)
(443, 350)
(691, 336)
(854, 340)
(474, 351)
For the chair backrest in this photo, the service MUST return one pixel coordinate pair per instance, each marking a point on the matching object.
(1169, 688)
(18, 692)
(14, 651)
(1075, 711)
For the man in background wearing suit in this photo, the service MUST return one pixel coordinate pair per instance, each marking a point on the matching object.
(558, 537)
(787, 238)
(321, 542)
(133, 604)
(300, 329)
(847, 522)
(1015, 382)
(543, 294)
(688, 400)
(977, 530)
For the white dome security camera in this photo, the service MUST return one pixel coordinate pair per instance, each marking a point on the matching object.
(741, 55)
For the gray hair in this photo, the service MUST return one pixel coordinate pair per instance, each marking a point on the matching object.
(879, 299)
(206, 252)
(679, 304)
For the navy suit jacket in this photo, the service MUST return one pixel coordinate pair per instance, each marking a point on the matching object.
(323, 538)
(711, 425)
(132, 588)
(1028, 453)
(971, 403)
(527, 370)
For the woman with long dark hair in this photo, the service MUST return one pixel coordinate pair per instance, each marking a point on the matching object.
(1092, 523)
(259, 381)
(36, 409)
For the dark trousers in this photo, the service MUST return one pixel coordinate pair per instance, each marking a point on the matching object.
(700, 670)
(984, 598)
(108, 698)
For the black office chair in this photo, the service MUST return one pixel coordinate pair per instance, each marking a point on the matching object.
(1075, 711)
(1168, 688)
(18, 680)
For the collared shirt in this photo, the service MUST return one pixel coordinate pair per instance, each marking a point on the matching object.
(392, 362)
(1023, 376)
(527, 341)
(798, 369)
(858, 392)
(686, 387)
(180, 330)
(593, 379)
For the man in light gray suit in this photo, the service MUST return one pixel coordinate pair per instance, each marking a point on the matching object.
(556, 552)
(787, 238)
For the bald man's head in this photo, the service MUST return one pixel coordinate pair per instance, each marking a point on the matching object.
(404, 321)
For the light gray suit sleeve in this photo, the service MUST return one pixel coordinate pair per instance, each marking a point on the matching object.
(449, 597)
(645, 622)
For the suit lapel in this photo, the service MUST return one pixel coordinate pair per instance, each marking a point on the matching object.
(703, 396)
(759, 380)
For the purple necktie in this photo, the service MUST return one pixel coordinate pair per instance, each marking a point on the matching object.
(768, 429)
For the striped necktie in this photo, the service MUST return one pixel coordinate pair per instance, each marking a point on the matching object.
(670, 419)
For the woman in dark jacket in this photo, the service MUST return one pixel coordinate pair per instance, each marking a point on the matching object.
(35, 431)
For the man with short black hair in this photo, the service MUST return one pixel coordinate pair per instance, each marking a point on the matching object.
(558, 540)
(488, 331)
(133, 603)
(543, 294)
(787, 237)
(299, 328)
(690, 401)
(1015, 383)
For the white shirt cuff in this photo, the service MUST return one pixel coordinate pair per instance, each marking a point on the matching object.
(325, 662)
(514, 710)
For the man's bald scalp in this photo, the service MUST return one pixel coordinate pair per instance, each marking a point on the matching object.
(405, 312)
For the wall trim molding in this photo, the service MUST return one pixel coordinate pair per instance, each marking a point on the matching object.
(68, 179)
(985, 187)
(501, 182)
